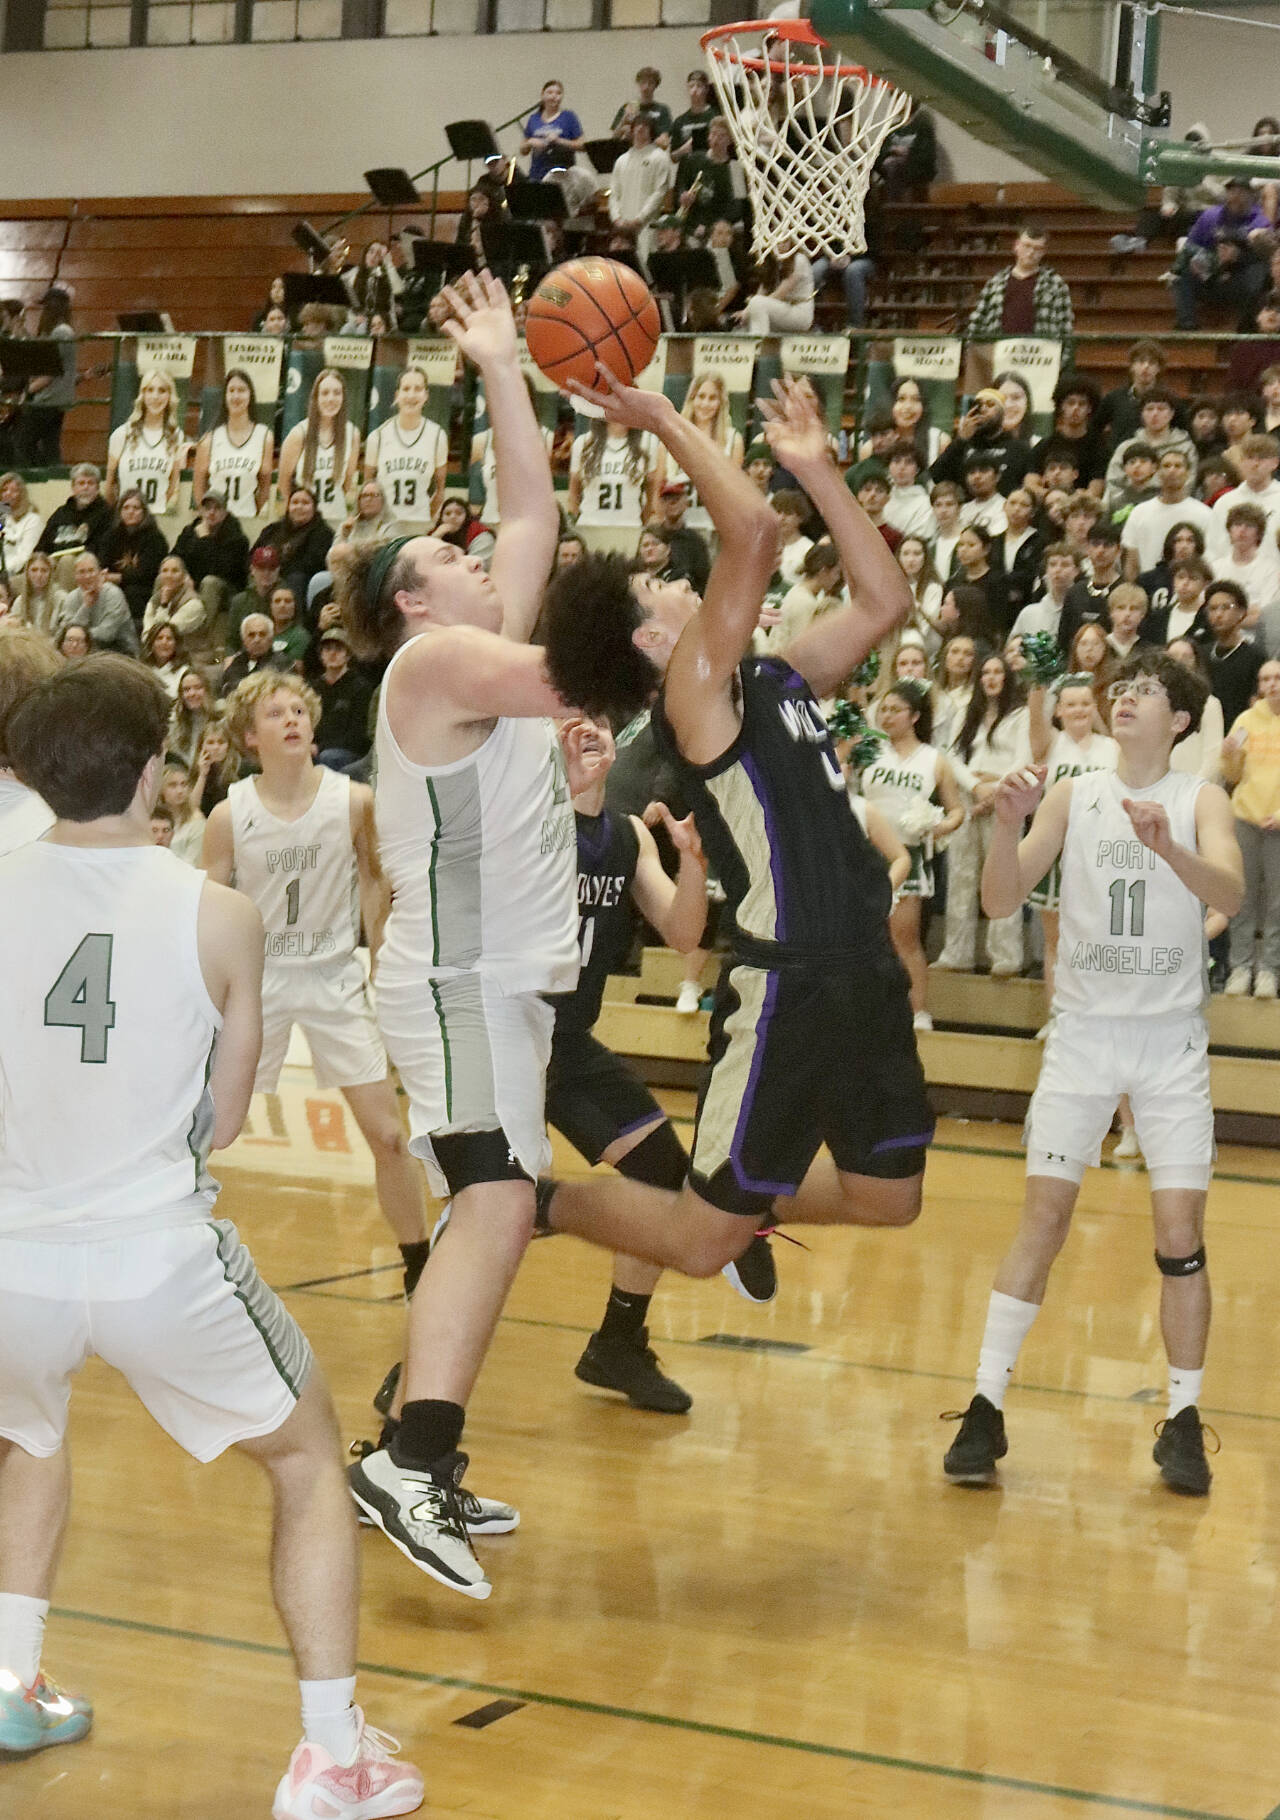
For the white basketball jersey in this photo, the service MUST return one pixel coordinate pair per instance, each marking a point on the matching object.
(331, 501)
(896, 784)
(145, 464)
(407, 466)
(1068, 758)
(489, 513)
(1131, 937)
(613, 495)
(301, 874)
(234, 468)
(106, 1041)
(24, 816)
(697, 516)
(482, 859)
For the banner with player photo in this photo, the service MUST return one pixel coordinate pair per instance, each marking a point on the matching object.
(822, 359)
(171, 354)
(1034, 360)
(260, 356)
(548, 403)
(932, 361)
(438, 361)
(350, 355)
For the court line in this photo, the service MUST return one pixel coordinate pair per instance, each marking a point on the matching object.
(666, 1721)
(821, 1358)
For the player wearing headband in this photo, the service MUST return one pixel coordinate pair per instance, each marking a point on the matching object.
(477, 836)
(1143, 849)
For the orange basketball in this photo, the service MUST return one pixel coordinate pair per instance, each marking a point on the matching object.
(589, 310)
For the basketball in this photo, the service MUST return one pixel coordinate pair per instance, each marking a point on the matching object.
(589, 310)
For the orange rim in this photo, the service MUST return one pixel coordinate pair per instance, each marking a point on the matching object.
(791, 31)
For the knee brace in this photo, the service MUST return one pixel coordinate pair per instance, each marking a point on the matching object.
(1181, 1267)
(659, 1161)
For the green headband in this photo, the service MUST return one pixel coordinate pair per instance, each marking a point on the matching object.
(380, 567)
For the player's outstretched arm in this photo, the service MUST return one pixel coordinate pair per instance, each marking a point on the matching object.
(1214, 871)
(835, 644)
(374, 886)
(1013, 866)
(677, 910)
(218, 852)
(720, 635)
(230, 939)
(529, 521)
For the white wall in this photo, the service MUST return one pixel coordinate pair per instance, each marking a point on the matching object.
(246, 119)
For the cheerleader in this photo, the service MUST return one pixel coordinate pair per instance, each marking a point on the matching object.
(149, 451)
(907, 782)
(323, 452)
(235, 456)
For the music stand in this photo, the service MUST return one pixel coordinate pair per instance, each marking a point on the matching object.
(537, 202)
(310, 242)
(510, 244)
(143, 322)
(604, 153)
(471, 139)
(442, 257)
(674, 275)
(314, 287)
(30, 359)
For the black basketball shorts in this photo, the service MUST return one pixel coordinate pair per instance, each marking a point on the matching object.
(805, 1055)
(593, 1096)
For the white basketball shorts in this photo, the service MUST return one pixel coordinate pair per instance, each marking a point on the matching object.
(471, 1059)
(181, 1313)
(1162, 1063)
(332, 1008)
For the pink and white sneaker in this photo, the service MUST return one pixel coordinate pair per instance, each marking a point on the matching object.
(315, 1787)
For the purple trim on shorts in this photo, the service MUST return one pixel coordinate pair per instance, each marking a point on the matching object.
(626, 1130)
(918, 1140)
(775, 851)
(744, 1111)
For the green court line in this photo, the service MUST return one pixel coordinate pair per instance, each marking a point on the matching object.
(666, 1721)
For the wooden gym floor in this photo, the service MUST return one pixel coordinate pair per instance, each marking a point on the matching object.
(772, 1607)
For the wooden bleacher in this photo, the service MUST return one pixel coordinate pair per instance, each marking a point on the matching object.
(982, 1058)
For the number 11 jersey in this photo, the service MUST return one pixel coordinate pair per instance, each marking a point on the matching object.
(106, 1040)
(1131, 937)
(301, 874)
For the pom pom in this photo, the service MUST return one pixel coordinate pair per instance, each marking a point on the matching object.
(867, 671)
(917, 821)
(846, 721)
(1042, 660)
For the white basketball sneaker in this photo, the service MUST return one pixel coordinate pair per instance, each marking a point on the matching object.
(421, 1512)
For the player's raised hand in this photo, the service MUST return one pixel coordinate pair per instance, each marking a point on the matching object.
(588, 752)
(1018, 794)
(684, 835)
(482, 323)
(793, 426)
(625, 404)
(1150, 824)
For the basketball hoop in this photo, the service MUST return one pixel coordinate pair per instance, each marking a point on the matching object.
(807, 128)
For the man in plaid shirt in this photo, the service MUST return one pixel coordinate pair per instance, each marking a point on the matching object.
(1027, 298)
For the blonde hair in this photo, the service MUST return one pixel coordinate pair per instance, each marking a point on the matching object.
(180, 816)
(250, 694)
(306, 468)
(723, 419)
(23, 495)
(26, 660)
(133, 429)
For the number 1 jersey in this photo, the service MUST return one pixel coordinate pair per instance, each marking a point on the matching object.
(301, 874)
(1131, 937)
(106, 1041)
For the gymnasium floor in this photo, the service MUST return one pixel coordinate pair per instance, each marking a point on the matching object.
(772, 1607)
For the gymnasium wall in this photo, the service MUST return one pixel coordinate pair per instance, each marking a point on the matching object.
(244, 119)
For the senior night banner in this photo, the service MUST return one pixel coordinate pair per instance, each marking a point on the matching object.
(932, 361)
(171, 354)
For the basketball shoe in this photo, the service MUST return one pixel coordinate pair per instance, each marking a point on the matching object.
(32, 1718)
(971, 1457)
(1179, 1453)
(755, 1275)
(631, 1366)
(315, 1787)
(419, 1509)
(482, 1516)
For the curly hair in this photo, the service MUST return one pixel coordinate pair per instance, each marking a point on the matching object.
(1188, 690)
(376, 625)
(589, 616)
(252, 691)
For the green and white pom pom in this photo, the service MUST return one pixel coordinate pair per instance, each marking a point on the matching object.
(1042, 660)
(867, 671)
(846, 721)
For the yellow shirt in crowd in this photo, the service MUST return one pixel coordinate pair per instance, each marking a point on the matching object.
(1257, 795)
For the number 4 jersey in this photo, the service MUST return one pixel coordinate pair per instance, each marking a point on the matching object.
(1131, 938)
(106, 1041)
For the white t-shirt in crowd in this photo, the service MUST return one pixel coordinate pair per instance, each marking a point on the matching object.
(1147, 526)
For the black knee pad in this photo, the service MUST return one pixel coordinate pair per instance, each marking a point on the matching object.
(467, 1158)
(659, 1161)
(1181, 1267)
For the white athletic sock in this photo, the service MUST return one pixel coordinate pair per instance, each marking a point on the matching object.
(330, 1718)
(1008, 1324)
(1184, 1389)
(22, 1635)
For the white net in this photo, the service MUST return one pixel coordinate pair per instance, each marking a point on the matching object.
(807, 131)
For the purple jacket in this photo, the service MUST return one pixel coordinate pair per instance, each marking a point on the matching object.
(1215, 222)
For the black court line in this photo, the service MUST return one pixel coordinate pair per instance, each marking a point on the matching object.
(490, 1714)
(667, 1722)
(348, 1276)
